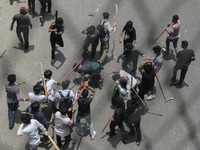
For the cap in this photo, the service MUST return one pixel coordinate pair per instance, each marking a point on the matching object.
(23, 10)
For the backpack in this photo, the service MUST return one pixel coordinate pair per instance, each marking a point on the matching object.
(63, 98)
(101, 29)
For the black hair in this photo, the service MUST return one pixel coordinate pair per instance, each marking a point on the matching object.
(26, 118)
(129, 46)
(148, 68)
(65, 105)
(116, 77)
(37, 88)
(123, 83)
(91, 30)
(35, 106)
(106, 15)
(84, 93)
(175, 17)
(60, 21)
(11, 78)
(65, 84)
(48, 74)
(184, 43)
(156, 49)
(129, 24)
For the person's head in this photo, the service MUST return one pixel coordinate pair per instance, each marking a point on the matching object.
(106, 15)
(129, 46)
(148, 67)
(65, 105)
(123, 83)
(23, 10)
(26, 118)
(85, 93)
(35, 106)
(175, 18)
(184, 44)
(156, 50)
(116, 77)
(60, 21)
(48, 74)
(129, 25)
(65, 84)
(11, 78)
(91, 30)
(37, 88)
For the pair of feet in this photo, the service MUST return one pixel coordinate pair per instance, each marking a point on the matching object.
(176, 83)
(91, 136)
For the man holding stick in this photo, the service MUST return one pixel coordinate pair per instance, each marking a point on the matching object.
(84, 110)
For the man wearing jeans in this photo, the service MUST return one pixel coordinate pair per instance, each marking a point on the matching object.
(13, 98)
(183, 59)
(173, 29)
(105, 41)
(84, 110)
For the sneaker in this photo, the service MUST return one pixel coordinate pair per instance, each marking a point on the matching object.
(150, 97)
(93, 136)
(11, 126)
(163, 49)
(138, 143)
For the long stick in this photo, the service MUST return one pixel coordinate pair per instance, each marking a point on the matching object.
(80, 92)
(137, 94)
(69, 73)
(161, 87)
(107, 124)
(54, 144)
(44, 84)
(116, 13)
(158, 36)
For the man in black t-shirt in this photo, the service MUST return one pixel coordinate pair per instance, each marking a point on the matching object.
(84, 110)
(118, 118)
(183, 59)
(23, 24)
(56, 37)
(146, 69)
(129, 34)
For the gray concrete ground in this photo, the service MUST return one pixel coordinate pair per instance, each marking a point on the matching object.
(178, 128)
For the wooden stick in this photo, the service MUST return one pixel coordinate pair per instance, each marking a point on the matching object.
(52, 141)
(159, 36)
(80, 92)
(69, 73)
(107, 124)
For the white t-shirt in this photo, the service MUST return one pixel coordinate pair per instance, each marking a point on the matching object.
(39, 98)
(31, 130)
(158, 62)
(49, 84)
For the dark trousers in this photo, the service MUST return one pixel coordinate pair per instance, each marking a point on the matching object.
(31, 4)
(66, 144)
(175, 41)
(54, 41)
(43, 4)
(25, 32)
(94, 43)
(12, 107)
(113, 124)
(182, 75)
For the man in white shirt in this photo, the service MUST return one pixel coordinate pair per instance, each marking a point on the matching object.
(64, 92)
(30, 127)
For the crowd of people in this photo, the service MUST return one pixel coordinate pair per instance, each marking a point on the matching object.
(128, 98)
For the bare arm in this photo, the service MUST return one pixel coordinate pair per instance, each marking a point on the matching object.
(12, 24)
(120, 36)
